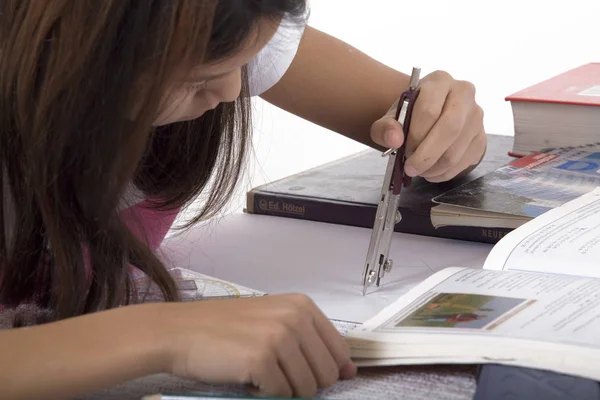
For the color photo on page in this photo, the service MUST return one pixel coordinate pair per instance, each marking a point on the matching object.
(462, 310)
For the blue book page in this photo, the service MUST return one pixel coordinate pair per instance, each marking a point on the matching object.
(532, 185)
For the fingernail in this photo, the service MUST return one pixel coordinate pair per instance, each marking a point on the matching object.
(409, 170)
(392, 138)
(348, 371)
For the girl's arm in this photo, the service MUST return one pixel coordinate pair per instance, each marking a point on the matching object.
(80, 355)
(340, 88)
(337, 86)
(281, 344)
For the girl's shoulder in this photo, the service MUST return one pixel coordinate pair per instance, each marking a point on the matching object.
(269, 65)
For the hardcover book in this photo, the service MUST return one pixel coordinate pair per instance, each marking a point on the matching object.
(346, 192)
(561, 111)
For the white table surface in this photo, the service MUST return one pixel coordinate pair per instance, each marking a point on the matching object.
(323, 261)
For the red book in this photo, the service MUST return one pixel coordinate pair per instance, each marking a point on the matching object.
(579, 86)
(558, 112)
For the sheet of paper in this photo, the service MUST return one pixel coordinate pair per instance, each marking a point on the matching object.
(324, 261)
(565, 240)
(344, 327)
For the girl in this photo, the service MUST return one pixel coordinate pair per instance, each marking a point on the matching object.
(115, 114)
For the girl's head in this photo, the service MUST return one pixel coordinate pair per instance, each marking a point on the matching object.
(213, 72)
(97, 97)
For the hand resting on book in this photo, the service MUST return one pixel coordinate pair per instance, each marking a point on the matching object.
(278, 345)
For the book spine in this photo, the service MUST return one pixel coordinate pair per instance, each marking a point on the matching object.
(416, 222)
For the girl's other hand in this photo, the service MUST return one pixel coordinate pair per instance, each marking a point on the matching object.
(279, 345)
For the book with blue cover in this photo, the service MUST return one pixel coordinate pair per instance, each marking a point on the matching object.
(525, 188)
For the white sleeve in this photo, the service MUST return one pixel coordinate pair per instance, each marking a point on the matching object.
(269, 65)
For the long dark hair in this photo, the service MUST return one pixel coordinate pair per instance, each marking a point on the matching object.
(80, 84)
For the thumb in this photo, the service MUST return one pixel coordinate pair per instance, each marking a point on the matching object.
(387, 132)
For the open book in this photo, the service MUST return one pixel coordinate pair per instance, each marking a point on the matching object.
(535, 303)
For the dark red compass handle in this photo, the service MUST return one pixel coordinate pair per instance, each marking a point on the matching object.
(399, 179)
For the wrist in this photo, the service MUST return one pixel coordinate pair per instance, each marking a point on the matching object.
(159, 348)
(179, 334)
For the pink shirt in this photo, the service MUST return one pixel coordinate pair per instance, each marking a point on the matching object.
(150, 225)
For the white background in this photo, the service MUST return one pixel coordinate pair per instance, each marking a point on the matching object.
(501, 46)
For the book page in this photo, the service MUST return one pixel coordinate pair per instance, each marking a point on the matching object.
(553, 308)
(462, 315)
(564, 240)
